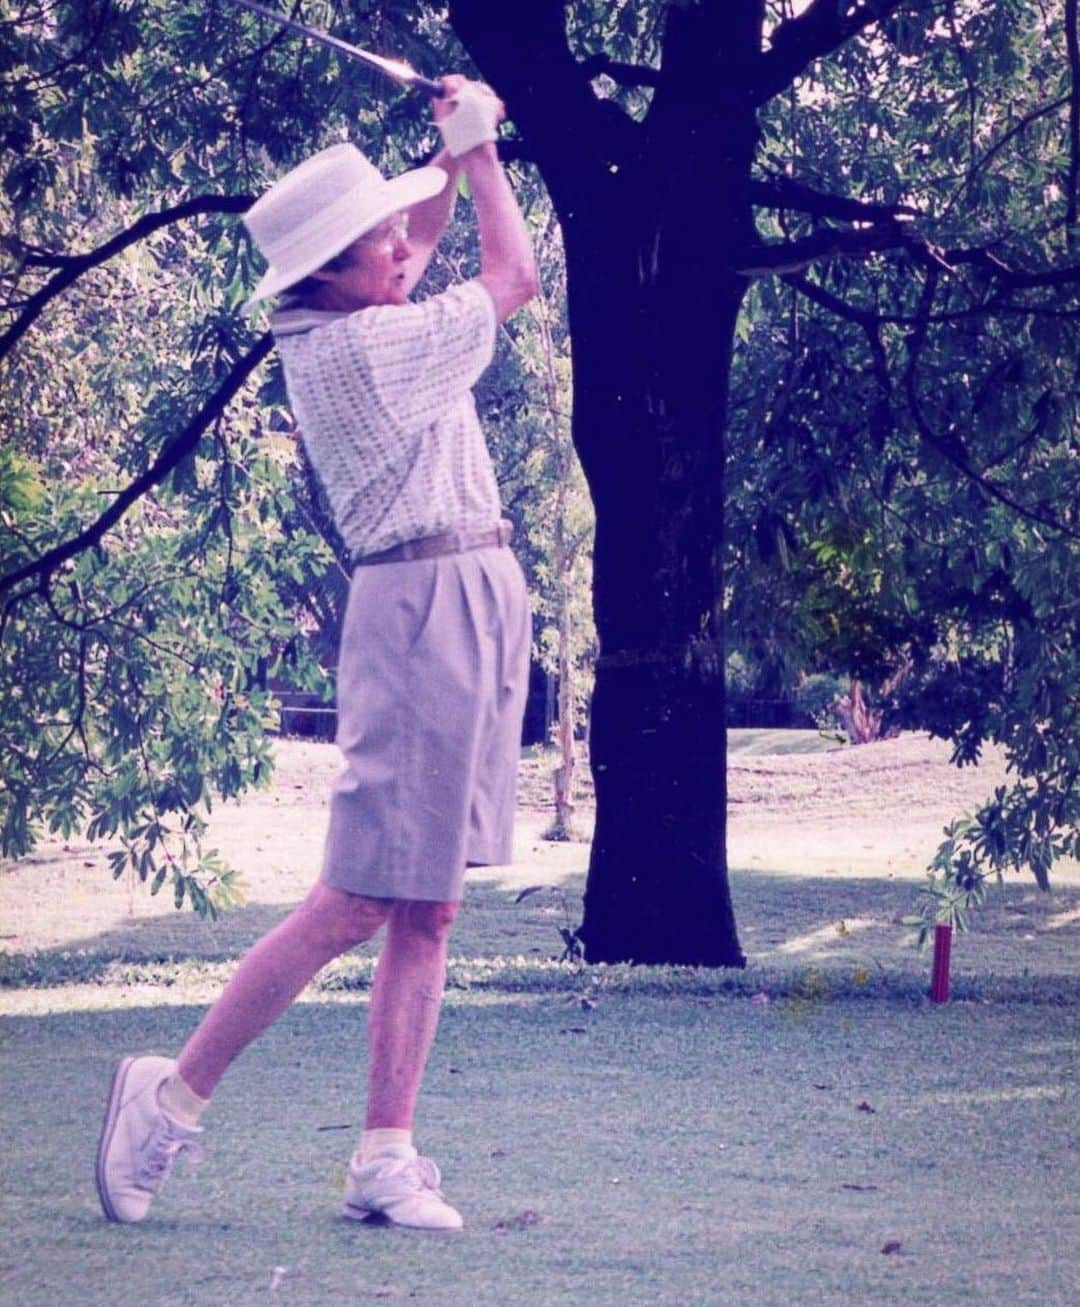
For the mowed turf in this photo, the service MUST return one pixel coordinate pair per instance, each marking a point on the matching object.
(642, 1151)
(758, 741)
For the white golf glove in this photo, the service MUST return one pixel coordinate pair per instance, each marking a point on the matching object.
(473, 120)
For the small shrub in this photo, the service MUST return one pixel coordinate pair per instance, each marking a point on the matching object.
(816, 695)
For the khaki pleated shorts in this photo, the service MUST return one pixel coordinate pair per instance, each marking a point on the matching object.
(432, 679)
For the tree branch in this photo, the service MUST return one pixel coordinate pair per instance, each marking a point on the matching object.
(826, 300)
(951, 448)
(1042, 112)
(523, 49)
(786, 193)
(173, 453)
(948, 445)
(821, 28)
(1072, 42)
(711, 53)
(982, 258)
(865, 318)
(72, 266)
(597, 65)
(793, 256)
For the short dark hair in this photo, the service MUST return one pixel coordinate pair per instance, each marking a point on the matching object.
(310, 284)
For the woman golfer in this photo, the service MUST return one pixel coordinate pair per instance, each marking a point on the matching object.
(434, 651)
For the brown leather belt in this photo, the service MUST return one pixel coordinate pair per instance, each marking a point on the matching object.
(449, 542)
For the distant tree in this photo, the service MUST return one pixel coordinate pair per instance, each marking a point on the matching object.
(561, 529)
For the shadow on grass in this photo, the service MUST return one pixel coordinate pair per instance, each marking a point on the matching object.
(491, 922)
(836, 934)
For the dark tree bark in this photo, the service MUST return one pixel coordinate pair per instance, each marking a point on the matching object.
(653, 336)
(657, 222)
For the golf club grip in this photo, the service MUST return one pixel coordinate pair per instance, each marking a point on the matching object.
(418, 83)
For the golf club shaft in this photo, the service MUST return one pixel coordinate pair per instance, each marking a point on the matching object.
(405, 77)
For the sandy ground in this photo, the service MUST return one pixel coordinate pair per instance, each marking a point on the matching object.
(826, 850)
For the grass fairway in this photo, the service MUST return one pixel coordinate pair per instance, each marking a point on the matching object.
(644, 1151)
(755, 741)
(728, 1139)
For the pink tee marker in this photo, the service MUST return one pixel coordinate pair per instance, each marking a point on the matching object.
(939, 983)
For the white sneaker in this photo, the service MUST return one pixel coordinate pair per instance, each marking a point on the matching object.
(139, 1143)
(400, 1187)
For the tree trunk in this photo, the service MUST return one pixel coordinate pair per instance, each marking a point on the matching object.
(860, 723)
(654, 215)
(651, 387)
(564, 557)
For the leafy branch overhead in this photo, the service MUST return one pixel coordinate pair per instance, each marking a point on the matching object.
(822, 27)
(70, 267)
(179, 447)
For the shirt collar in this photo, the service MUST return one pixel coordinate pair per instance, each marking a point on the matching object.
(292, 319)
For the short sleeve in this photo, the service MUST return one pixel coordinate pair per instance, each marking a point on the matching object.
(424, 358)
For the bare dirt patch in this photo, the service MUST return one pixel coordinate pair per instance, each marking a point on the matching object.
(878, 809)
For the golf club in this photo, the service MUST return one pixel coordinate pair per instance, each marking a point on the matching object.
(395, 69)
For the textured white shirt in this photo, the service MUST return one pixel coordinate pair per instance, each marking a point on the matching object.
(383, 399)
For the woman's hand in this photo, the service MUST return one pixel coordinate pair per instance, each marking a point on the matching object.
(468, 114)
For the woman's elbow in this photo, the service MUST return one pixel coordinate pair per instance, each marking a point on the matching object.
(524, 283)
(530, 282)
(512, 288)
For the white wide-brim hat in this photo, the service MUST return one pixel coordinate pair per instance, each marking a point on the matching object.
(323, 205)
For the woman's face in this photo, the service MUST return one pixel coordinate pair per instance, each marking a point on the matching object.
(376, 269)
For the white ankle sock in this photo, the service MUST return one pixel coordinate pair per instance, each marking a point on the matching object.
(179, 1101)
(382, 1140)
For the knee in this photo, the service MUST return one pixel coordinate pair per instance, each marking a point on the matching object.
(344, 920)
(426, 921)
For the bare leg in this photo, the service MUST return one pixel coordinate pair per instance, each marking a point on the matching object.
(405, 1001)
(272, 973)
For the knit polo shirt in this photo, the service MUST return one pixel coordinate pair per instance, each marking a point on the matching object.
(383, 399)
